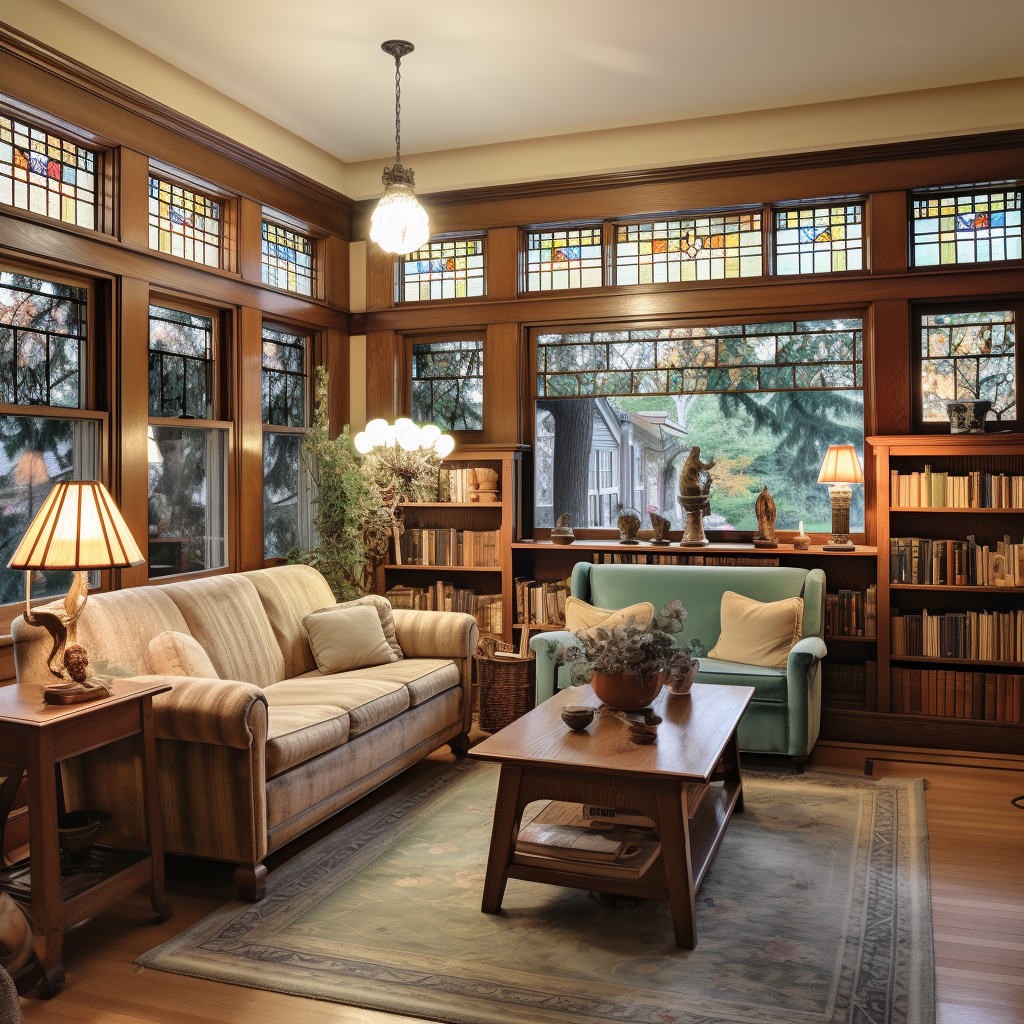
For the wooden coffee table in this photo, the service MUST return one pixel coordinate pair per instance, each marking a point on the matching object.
(668, 781)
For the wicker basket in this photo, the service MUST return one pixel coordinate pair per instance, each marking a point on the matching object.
(505, 688)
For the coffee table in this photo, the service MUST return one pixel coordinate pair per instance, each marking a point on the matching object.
(669, 781)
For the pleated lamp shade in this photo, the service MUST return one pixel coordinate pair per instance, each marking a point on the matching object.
(841, 466)
(79, 527)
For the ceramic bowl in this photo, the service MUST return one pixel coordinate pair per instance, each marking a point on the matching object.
(577, 717)
(79, 831)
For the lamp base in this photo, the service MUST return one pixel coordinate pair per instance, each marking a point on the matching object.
(77, 693)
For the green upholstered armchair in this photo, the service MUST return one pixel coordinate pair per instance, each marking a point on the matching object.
(785, 714)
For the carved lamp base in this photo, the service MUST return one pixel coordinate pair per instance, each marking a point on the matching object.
(841, 496)
(695, 506)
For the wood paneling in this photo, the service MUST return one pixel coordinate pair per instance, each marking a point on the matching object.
(382, 356)
(380, 278)
(250, 241)
(133, 198)
(249, 439)
(337, 362)
(889, 329)
(503, 263)
(502, 383)
(335, 272)
(887, 232)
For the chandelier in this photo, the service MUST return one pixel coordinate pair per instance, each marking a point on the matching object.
(399, 223)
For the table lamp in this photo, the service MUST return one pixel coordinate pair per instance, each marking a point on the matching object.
(79, 528)
(839, 469)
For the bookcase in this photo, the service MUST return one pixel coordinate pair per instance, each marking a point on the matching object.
(463, 543)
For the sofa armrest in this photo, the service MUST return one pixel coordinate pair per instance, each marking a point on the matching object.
(803, 655)
(547, 670)
(803, 686)
(436, 634)
(216, 711)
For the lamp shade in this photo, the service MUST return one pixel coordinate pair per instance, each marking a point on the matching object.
(79, 527)
(841, 466)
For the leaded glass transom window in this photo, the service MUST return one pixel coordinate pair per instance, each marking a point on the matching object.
(448, 384)
(444, 269)
(284, 378)
(968, 356)
(979, 226)
(183, 223)
(45, 174)
(786, 356)
(819, 239)
(289, 259)
(180, 363)
(700, 248)
(564, 258)
(42, 342)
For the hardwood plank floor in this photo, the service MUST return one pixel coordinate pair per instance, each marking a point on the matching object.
(976, 844)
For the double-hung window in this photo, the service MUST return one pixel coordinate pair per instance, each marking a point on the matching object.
(448, 382)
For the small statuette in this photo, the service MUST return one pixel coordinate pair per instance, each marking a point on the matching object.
(764, 509)
(661, 526)
(628, 524)
(694, 496)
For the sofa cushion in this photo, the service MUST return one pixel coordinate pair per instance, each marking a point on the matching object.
(758, 632)
(178, 654)
(580, 615)
(384, 613)
(425, 677)
(769, 683)
(226, 616)
(288, 593)
(368, 701)
(343, 639)
(295, 733)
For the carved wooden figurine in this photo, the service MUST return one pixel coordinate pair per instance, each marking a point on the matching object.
(661, 526)
(764, 509)
(694, 490)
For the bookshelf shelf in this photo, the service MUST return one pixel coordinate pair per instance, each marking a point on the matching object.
(448, 568)
(928, 659)
(839, 638)
(614, 546)
(953, 510)
(449, 504)
(944, 587)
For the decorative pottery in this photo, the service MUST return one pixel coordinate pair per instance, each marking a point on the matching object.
(968, 417)
(661, 526)
(625, 692)
(577, 717)
(681, 687)
(79, 831)
(629, 525)
(561, 532)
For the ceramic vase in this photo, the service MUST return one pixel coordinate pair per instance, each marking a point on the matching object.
(624, 692)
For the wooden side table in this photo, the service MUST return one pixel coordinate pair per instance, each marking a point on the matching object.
(40, 736)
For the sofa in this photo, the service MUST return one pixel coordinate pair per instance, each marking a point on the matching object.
(785, 713)
(255, 758)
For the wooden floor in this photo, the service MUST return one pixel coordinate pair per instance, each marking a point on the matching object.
(976, 839)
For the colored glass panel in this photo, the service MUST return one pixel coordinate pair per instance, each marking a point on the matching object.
(289, 259)
(702, 248)
(284, 378)
(967, 356)
(819, 240)
(183, 223)
(448, 384)
(180, 363)
(972, 227)
(445, 269)
(45, 174)
(563, 258)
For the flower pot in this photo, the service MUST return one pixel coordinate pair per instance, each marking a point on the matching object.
(625, 692)
(680, 687)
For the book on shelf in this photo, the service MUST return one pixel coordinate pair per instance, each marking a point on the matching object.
(446, 597)
(469, 484)
(852, 612)
(970, 635)
(940, 489)
(640, 558)
(850, 686)
(947, 693)
(956, 563)
(540, 603)
(451, 547)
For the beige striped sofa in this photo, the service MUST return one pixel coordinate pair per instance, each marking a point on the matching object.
(253, 759)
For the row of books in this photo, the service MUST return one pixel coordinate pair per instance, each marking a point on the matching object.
(609, 558)
(446, 597)
(956, 563)
(937, 489)
(983, 696)
(473, 548)
(978, 636)
(469, 483)
(850, 686)
(541, 603)
(852, 612)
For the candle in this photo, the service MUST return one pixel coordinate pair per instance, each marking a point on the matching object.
(801, 530)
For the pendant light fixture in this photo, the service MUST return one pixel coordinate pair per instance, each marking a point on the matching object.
(399, 223)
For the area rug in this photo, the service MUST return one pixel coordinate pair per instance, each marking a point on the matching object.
(816, 910)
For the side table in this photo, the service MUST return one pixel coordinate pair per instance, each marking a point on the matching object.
(39, 736)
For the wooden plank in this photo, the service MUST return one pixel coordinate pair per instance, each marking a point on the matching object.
(249, 439)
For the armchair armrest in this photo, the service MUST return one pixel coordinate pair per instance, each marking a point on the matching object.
(803, 686)
(803, 655)
(436, 634)
(547, 670)
(216, 711)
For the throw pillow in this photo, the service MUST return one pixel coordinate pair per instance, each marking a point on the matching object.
(387, 620)
(343, 639)
(580, 615)
(758, 632)
(178, 654)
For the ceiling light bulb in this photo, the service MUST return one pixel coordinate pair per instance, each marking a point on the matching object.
(428, 435)
(362, 443)
(409, 437)
(444, 445)
(399, 224)
(377, 431)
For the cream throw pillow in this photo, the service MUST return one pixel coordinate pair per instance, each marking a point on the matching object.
(387, 620)
(342, 639)
(758, 632)
(178, 654)
(580, 615)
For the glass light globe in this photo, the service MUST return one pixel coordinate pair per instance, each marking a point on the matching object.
(399, 224)
(444, 445)
(362, 443)
(392, 436)
(377, 431)
(428, 435)
(403, 423)
(409, 437)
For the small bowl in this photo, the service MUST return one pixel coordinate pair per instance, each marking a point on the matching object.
(79, 831)
(562, 538)
(577, 717)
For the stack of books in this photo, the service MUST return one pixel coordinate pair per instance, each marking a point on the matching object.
(937, 489)
(982, 696)
(852, 612)
(541, 603)
(975, 636)
(470, 548)
(615, 558)
(956, 563)
(446, 597)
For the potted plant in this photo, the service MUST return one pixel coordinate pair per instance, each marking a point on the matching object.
(628, 665)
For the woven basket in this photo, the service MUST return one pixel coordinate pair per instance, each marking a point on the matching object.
(505, 688)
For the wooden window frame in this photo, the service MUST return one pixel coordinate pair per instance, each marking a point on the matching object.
(405, 373)
(317, 237)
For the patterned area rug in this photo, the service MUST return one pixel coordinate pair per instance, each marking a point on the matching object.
(816, 910)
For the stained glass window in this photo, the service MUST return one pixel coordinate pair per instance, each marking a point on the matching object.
(180, 363)
(689, 249)
(966, 227)
(43, 173)
(42, 342)
(448, 384)
(967, 356)
(791, 355)
(445, 269)
(289, 259)
(564, 258)
(819, 239)
(183, 223)
(284, 378)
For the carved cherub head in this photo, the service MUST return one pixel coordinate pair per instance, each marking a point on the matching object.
(76, 661)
